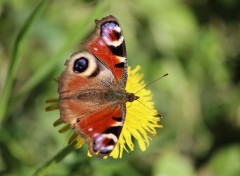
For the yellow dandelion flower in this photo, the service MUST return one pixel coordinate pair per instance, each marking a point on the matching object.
(140, 117)
(140, 123)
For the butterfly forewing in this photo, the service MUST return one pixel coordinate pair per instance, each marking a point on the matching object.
(107, 43)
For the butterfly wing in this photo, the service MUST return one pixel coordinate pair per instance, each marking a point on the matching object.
(102, 129)
(107, 43)
(76, 85)
(82, 89)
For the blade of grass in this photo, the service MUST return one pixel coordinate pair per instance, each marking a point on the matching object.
(16, 58)
(77, 35)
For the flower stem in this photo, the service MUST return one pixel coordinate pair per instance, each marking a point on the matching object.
(56, 159)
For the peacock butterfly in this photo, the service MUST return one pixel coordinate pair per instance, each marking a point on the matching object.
(92, 95)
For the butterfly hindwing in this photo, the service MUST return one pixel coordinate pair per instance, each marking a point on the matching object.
(102, 129)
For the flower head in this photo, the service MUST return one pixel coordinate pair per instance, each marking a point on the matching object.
(140, 123)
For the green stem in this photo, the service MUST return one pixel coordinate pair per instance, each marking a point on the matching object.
(56, 159)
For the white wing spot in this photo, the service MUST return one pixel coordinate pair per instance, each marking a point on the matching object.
(122, 59)
(113, 43)
(117, 28)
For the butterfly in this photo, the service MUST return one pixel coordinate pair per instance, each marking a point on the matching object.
(92, 95)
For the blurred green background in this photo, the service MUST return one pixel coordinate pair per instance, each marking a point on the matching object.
(196, 42)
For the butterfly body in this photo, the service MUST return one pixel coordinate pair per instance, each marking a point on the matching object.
(92, 88)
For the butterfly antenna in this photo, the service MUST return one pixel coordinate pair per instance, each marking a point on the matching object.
(130, 105)
(156, 114)
(151, 83)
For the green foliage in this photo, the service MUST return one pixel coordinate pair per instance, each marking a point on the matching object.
(16, 58)
(196, 42)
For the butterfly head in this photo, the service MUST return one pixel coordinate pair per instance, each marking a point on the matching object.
(131, 97)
